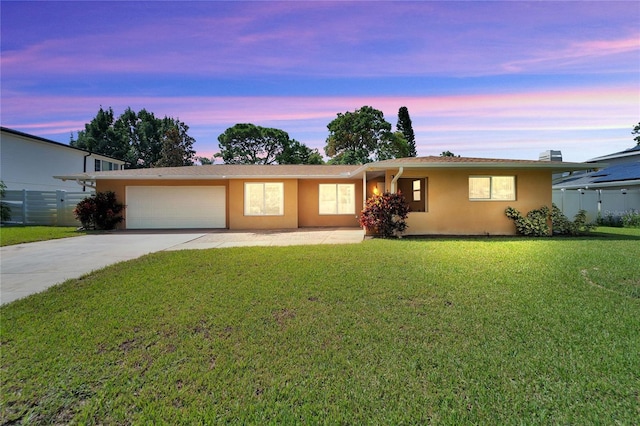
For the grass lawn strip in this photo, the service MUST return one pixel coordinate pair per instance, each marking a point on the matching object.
(488, 331)
(11, 235)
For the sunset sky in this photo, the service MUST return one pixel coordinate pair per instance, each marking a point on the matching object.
(480, 79)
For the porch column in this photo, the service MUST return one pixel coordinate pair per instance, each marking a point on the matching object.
(364, 189)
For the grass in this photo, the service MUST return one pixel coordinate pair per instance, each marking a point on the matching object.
(442, 331)
(11, 235)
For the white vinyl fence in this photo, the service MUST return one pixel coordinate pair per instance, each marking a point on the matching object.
(597, 202)
(53, 208)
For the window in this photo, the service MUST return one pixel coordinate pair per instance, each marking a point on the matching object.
(337, 198)
(492, 188)
(416, 190)
(415, 193)
(264, 199)
(96, 165)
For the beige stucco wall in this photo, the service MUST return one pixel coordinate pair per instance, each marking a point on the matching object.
(450, 212)
(237, 219)
(308, 199)
(119, 187)
(300, 202)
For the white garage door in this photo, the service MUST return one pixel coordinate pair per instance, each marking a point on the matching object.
(166, 207)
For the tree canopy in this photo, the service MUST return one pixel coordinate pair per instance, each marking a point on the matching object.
(405, 127)
(141, 139)
(246, 143)
(363, 136)
(636, 131)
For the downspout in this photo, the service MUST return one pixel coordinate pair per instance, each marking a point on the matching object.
(395, 179)
(84, 168)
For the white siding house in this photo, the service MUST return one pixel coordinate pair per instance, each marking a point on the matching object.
(612, 191)
(30, 162)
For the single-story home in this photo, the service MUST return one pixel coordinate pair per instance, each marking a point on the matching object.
(447, 195)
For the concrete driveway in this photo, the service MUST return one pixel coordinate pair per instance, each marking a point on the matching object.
(31, 268)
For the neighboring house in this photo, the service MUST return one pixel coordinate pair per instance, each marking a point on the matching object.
(30, 162)
(611, 191)
(447, 195)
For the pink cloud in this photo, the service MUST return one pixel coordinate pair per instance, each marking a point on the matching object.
(518, 123)
(329, 39)
(581, 53)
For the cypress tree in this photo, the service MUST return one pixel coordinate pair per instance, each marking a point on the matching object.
(404, 126)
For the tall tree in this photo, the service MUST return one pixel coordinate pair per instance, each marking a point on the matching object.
(100, 136)
(141, 139)
(636, 131)
(396, 147)
(298, 153)
(246, 143)
(405, 126)
(176, 145)
(360, 137)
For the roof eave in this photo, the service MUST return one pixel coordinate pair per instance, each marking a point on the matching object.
(203, 177)
(553, 166)
(597, 185)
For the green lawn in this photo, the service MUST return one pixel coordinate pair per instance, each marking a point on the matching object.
(442, 331)
(10, 235)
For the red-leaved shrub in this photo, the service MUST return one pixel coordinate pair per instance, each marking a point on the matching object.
(99, 211)
(385, 214)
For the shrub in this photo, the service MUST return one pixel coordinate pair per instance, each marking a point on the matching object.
(5, 210)
(609, 220)
(631, 219)
(534, 224)
(385, 214)
(99, 211)
(563, 226)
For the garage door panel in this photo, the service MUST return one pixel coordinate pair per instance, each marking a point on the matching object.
(165, 207)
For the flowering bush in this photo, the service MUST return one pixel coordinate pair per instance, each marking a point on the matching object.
(99, 211)
(385, 214)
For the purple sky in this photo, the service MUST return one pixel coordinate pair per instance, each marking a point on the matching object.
(480, 79)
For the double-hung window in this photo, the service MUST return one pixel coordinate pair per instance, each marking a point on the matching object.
(264, 199)
(500, 188)
(337, 198)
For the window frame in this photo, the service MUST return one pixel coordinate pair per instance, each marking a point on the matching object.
(249, 211)
(492, 191)
(416, 191)
(337, 211)
(407, 185)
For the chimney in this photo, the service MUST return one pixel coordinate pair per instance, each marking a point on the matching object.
(551, 155)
